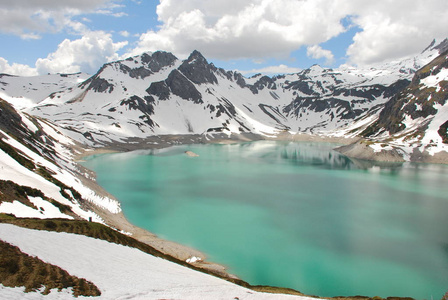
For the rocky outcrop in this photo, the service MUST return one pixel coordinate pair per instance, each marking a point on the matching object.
(182, 87)
(198, 70)
(417, 101)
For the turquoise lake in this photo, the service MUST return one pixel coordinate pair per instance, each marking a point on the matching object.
(296, 215)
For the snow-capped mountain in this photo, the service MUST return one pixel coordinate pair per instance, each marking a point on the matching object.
(35, 159)
(40, 180)
(157, 94)
(413, 124)
(400, 109)
(24, 92)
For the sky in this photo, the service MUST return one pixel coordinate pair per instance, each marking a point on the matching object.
(252, 36)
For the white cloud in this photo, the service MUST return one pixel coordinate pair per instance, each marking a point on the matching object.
(27, 18)
(86, 54)
(280, 69)
(395, 29)
(231, 29)
(317, 52)
(124, 33)
(16, 69)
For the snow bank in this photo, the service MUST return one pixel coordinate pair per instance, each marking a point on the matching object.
(119, 272)
(45, 209)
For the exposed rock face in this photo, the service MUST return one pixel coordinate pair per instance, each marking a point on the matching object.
(159, 89)
(182, 87)
(158, 60)
(98, 84)
(198, 70)
(417, 101)
(10, 120)
(263, 82)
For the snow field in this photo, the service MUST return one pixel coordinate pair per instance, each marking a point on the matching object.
(119, 272)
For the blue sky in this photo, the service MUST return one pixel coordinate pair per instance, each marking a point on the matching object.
(281, 36)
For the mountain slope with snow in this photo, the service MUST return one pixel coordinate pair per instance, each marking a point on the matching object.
(36, 155)
(119, 272)
(25, 92)
(414, 123)
(399, 108)
(157, 94)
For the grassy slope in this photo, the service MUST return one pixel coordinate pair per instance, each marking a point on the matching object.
(18, 269)
(103, 232)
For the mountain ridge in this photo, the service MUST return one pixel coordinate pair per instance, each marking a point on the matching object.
(157, 94)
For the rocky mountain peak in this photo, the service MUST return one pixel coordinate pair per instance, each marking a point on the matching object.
(198, 70)
(158, 60)
(196, 57)
(441, 46)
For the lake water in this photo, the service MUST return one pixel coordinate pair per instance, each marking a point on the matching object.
(295, 215)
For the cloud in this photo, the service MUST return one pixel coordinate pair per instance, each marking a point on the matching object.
(27, 18)
(16, 69)
(86, 54)
(395, 29)
(317, 52)
(232, 29)
(280, 69)
(124, 33)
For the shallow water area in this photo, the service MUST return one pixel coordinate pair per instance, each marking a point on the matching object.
(296, 215)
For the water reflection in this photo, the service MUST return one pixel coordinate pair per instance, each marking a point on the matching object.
(338, 225)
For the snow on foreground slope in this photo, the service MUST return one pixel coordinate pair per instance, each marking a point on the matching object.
(119, 272)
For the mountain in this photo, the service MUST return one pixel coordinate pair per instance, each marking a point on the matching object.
(25, 92)
(158, 94)
(398, 110)
(413, 125)
(155, 94)
(43, 188)
(39, 172)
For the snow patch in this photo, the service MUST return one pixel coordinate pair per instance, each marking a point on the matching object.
(434, 80)
(119, 272)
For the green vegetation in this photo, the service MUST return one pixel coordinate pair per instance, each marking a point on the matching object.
(10, 191)
(18, 269)
(42, 171)
(20, 158)
(103, 232)
(100, 231)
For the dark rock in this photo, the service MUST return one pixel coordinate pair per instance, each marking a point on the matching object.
(140, 72)
(182, 87)
(443, 132)
(198, 70)
(408, 100)
(10, 120)
(158, 60)
(301, 86)
(159, 89)
(143, 105)
(97, 84)
(263, 82)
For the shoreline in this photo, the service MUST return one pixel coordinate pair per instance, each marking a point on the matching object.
(121, 223)
(176, 250)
